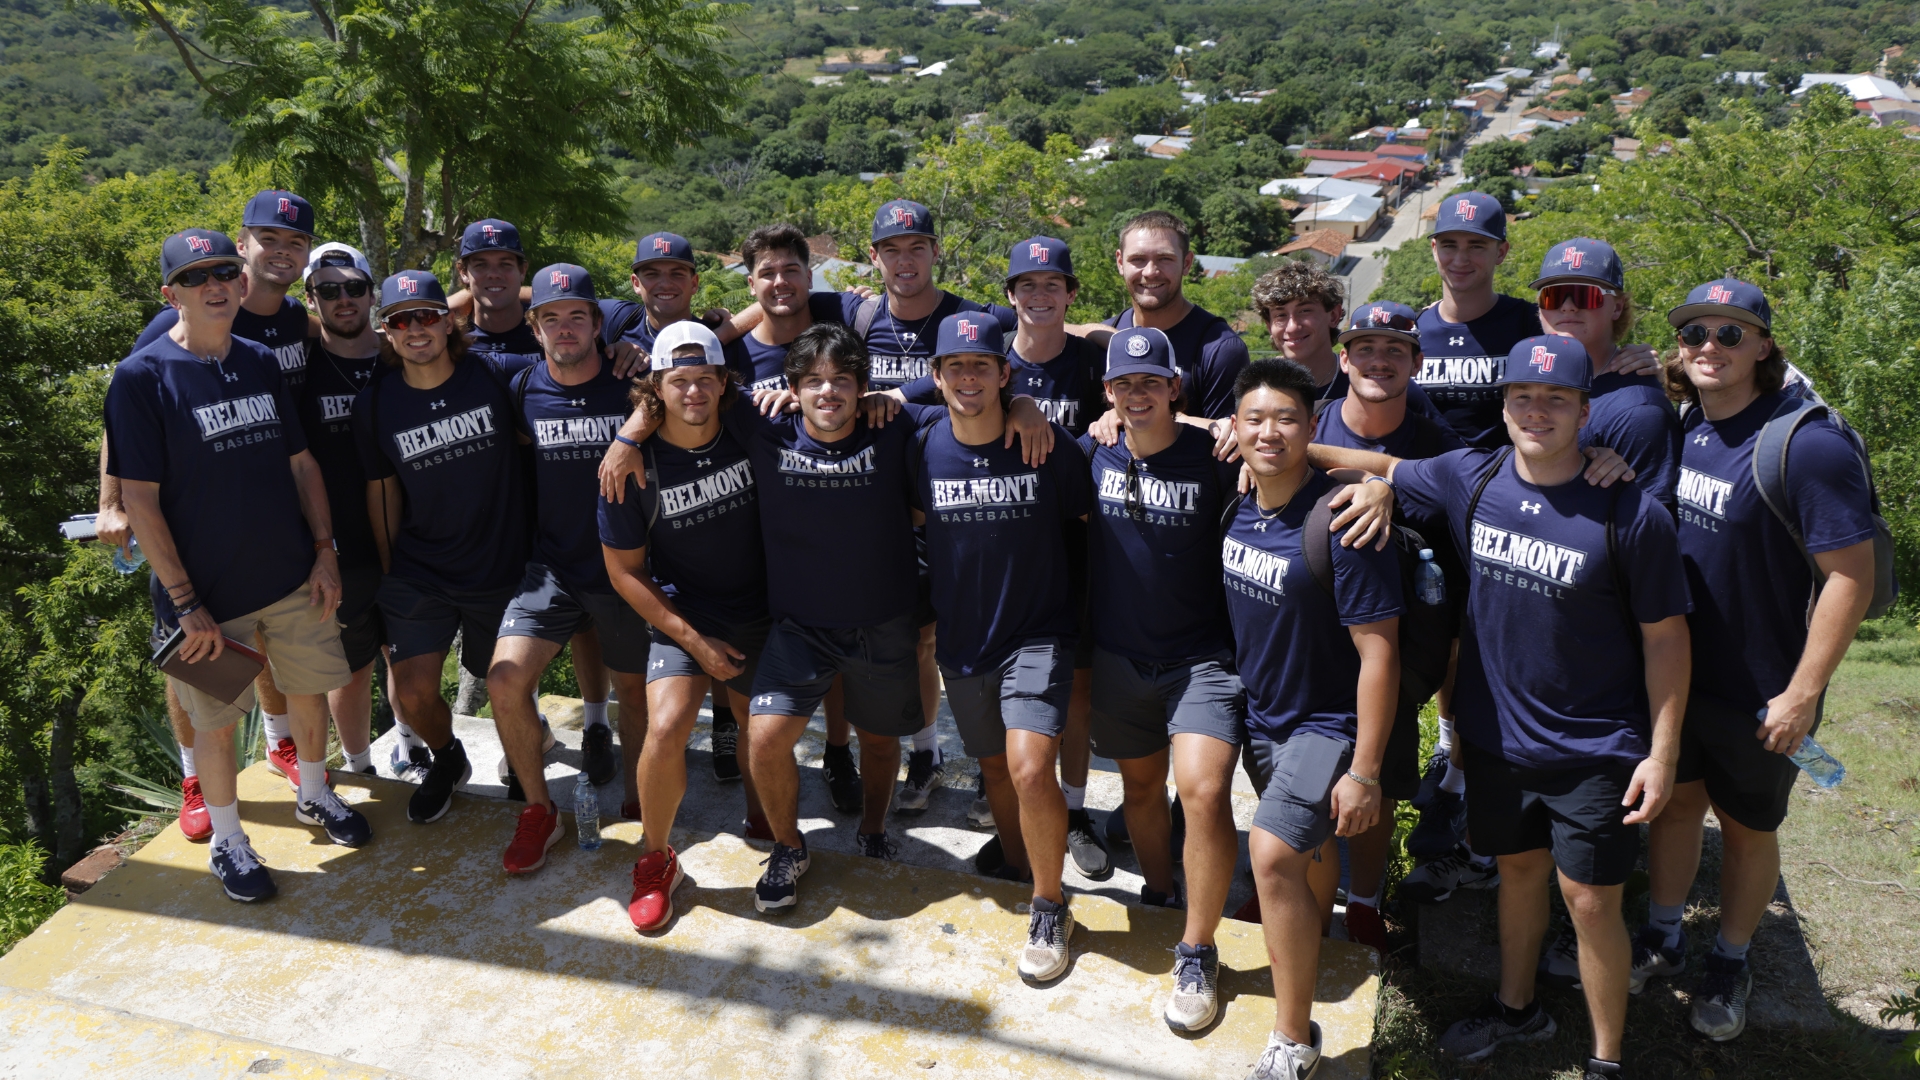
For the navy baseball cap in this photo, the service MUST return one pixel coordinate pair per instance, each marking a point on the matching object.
(1139, 350)
(1472, 212)
(686, 332)
(278, 210)
(902, 217)
(1730, 297)
(1554, 359)
(562, 281)
(969, 332)
(415, 287)
(1582, 259)
(1386, 319)
(193, 247)
(1041, 254)
(663, 247)
(491, 234)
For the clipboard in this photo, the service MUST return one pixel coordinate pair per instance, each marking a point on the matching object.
(224, 679)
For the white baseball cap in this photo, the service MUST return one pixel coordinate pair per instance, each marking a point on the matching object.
(336, 254)
(682, 333)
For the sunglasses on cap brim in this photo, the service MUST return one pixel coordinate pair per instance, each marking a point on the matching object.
(198, 276)
(400, 320)
(331, 290)
(1583, 296)
(1389, 320)
(1694, 335)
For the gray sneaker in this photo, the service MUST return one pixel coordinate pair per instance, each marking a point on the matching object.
(1434, 882)
(1285, 1059)
(1049, 930)
(924, 773)
(1560, 964)
(1196, 978)
(980, 814)
(1652, 957)
(1479, 1035)
(1720, 1001)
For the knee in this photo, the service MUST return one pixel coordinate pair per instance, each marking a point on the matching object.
(509, 679)
(1205, 799)
(1030, 774)
(1590, 907)
(1740, 841)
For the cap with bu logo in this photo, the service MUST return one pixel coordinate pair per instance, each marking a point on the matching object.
(1554, 359)
(662, 246)
(1471, 212)
(491, 234)
(1041, 255)
(1139, 350)
(1730, 297)
(677, 336)
(1584, 260)
(278, 210)
(562, 281)
(336, 254)
(902, 217)
(412, 288)
(1386, 319)
(193, 247)
(969, 332)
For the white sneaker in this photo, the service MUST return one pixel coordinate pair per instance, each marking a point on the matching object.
(1196, 978)
(1048, 932)
(925, 772)
(1431, 883)
(1284, 1059)
(980, 813)
(547, 743)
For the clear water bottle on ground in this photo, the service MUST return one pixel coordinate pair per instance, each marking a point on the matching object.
(1821, 767)
(130, 561)
(1430, 580)
(586, 813)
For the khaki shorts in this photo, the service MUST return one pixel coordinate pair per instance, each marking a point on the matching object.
(303, 652)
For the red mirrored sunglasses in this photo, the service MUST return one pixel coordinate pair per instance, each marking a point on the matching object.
(1584, 297)
(404, 319)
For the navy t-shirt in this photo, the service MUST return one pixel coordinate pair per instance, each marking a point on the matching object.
(1417, 399)
(704, 548)
(1463, 361)
(572, 426)
(1295, 655)
(1209, 356)
(1750, 582)
(283, 333)
(326, 416)
(1067, 388)
(518, 340)
(642, 333)
(826, 504)
(1406, 443)
(1154, 549)
(1550, 673)
(216, 438)
(901, 348)
(1631, 416)
(996, 550)
(465, 525)
(769, 362)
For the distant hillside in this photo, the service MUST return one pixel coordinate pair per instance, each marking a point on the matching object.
(78, 72)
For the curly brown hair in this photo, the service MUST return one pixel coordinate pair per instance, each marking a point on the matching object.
(1298, 280)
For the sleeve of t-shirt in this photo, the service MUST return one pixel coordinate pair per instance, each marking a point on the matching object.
(826, 307)
(1426, 488)
(849, 305)
(1221, 362)
(1656, 577)
(922, 391)
(623, 526)
(1647, 437)
(1087, 446)
(744, 421)
(168, 318)
(372, 459)
(1009, 321)
(615, 313)
(923, 415)
(1070, 472)
(1366, 584)
(136, 434)
(1827, 488)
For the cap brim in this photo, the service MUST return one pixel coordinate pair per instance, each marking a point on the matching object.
(969, 352)
(1679, 316)
(276, 225)
(1474, 230)
(556, 299)
(211, 260)
(929, 234)
(413, 305)
(638, 263)
(1118, 370)
(1573, 279)
(1072, 281)
(1373, 331)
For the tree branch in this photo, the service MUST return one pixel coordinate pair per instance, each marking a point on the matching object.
(179, 43)
(326, 21)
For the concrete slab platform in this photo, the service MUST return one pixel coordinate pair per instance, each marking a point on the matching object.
(417, 955)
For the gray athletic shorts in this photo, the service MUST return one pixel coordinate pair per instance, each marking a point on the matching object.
(1028, 691)
(1138, 708)
(422, 619)
(667, 660)
(879, 667)
(1295, 780)
(543, 607)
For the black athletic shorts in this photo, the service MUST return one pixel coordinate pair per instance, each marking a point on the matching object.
(1746, 781)
(422, 619)
(362, 630)
(879, 668)
(1575, 812)
(668, 660)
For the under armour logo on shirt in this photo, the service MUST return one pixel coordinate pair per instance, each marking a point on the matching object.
(578, 403)
(270, 332)
(1529, 507)
(441, 404)
(909, 338)
(703, 463)
(1456, 341)
(1700, 439)
(763, 699)
(1034, 380)
(1259, 526)
(981, 463)
(229, 376)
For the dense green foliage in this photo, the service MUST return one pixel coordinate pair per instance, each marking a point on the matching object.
(25, 901)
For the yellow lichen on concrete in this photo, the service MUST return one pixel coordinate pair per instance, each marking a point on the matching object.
(417, 954)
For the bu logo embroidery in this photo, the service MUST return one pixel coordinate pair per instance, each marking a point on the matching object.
(409, 286)
(1571, 258)
(1137, 346)
(1719, 294)
(1464, 209)
(903, 217)
(968, 330)
(1529, 507)
(199, 244)
(287, 213)
(662, 246)
(1037, 252)
(559, 279)
(491, 234)
(1542, 359)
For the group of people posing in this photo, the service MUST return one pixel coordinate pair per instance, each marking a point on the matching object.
(1124, 538)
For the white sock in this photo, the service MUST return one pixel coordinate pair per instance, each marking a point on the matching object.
(407, 737)
(1277, 1039)
(1076, 796)
(1455, 782)
(278, 727)
(1370, 901)
(313, 780)
(1446, 735)
(359, 762)
(226, 820)
(596, 712)
(927, 738)
(187, 770)
(1482, 861)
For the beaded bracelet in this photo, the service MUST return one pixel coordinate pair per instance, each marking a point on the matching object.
(183, 612)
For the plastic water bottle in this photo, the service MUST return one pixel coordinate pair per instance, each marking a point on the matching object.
(1821, 767)
(586, 812)
(1430, 581)
(132, 560)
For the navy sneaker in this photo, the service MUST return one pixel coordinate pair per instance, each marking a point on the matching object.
(434, 797)
(345, 825)
(1653, 957)
(778, 888)
(596, 751)
(242, 875)
(1720, 1000)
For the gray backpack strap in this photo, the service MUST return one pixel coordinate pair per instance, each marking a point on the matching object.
(1770, 467)
(1316, 539)
(863, 316)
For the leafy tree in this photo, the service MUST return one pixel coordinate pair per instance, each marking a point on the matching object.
(1495, 157)
(1236, 222)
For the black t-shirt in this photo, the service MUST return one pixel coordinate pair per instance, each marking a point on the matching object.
(572, 427)
(326, 414)
(704, 548)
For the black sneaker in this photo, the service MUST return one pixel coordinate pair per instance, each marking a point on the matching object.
(1720, 1000)
(1602, 1070)
(1083, 843)
(842, 777)
(877, 845)
(1436, 771)
(1653, 957)
(596, 750)
(1479, 1035)
(1442, 824)
(1153, 897)
(434, 797)
(778, 889)
(726, 752)
(925, 772)
(344, 825)
(1117, 834)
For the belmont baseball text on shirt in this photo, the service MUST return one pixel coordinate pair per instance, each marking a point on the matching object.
(1703, 493)
(1261, 568)
(571, 437)
(855, 471)
(717, 493)
(1553, 564)
(238, 414)
(986, 498)
(1149, 499)
(470, 427)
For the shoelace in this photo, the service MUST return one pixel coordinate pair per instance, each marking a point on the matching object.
(918, 774)
(1719, 986)
(724, 742)
(240, 853)
(781, 864)
(649, 880)
(531, 827)
(330, 805)
(879, 846)
(1045, 927)
(1189, 974)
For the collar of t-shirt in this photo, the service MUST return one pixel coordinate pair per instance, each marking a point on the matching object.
(282, 333)
(1463, 361)
(520, 339)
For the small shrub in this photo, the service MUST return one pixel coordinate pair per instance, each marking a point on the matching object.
(25, 900)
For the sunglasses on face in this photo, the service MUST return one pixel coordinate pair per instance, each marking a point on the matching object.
(1694, 335)
(198, 276)
(1583, 297)
(331, 290)
(407, 318)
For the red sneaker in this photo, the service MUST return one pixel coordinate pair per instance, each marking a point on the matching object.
(1365, 927)
(655, 877)
(285, 760)
(194, 822)
(539, 829)
(1249, 911)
